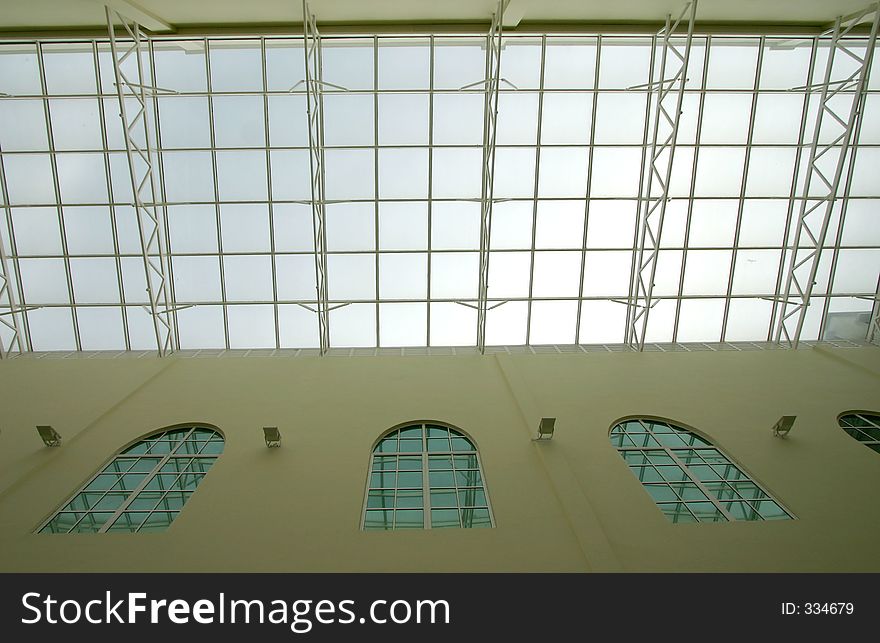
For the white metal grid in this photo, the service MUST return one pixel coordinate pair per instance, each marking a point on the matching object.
(841, 113)
(230, 291)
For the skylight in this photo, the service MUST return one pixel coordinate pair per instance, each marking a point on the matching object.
(403, 164)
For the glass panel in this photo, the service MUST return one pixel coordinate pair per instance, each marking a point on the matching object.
(409, 499)
(409, 479)
(471, 497)
(409, 519)
(382, 520)
(475, 518)
(380, 499)
(157, 521)
(444, 518)
(92, 522)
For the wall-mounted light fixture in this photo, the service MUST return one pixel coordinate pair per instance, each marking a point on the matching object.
(783, 425)
(545, 429)
(272, 435)
(49, 436)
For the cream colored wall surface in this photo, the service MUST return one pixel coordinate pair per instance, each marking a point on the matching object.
(566, 505)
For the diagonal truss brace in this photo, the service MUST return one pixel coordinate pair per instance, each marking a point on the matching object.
(11, 335)
(841, 103)
(138, 135)
(315, 104)
(490, 119)
(668, 93)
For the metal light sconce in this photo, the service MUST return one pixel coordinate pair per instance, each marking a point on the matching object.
(49, 436)
(545, 429)
(272, 436)
(783, 426)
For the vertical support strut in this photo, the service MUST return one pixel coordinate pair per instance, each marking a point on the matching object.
(665, 117)
(490, 118)
(315, 105)
(10, 330)
(873, 334)
(838, 118)
(139, 149)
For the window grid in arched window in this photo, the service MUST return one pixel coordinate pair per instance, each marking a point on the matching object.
(144, 487)
(425, 476)
(864, 427)
(688, 478)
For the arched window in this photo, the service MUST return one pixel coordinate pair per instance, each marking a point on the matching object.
(864, 427)
(425, 475)
(144, 487)
(688, 478)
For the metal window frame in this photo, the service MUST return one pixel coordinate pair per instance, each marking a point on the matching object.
(871, 418)
(670, 451)
(426, 486)
(148, 476)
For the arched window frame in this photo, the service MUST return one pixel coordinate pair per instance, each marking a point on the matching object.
(206, 455)
(425, 454)
(870, 437)
(697, 442)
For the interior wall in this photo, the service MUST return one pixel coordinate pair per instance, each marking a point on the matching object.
(565, 505)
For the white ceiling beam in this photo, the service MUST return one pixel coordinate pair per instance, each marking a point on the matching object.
(144, 18)
(514, 12)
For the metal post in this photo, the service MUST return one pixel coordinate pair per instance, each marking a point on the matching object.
(653, 201)
(490, 118)
(819, 195)
(315, 103)
(9, 310)
(873, 334)
(144, 184)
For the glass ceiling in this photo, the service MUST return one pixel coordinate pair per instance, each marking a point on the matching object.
(403, 167)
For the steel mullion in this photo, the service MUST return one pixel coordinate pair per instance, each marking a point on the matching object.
(19, 328)
(743, 186)
(813, 255)
(645, 146)
(426, 484)
(160, 160)
(450, 146)
(335, 303)
(376, 188)
(106, 154)
(216, 180)
(792, 197)
(490, 131)
(53, 159)
(263, 65)
(140, 487)
(431, 46)
(690, 202)
(650, 205)
(588, 194)
(873, 334)
(443, 200)
(536, 189)
(405, 251)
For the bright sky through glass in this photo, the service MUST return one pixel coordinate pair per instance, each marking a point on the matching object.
(403, 165)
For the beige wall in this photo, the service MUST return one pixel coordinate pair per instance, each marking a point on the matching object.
(567, 505)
